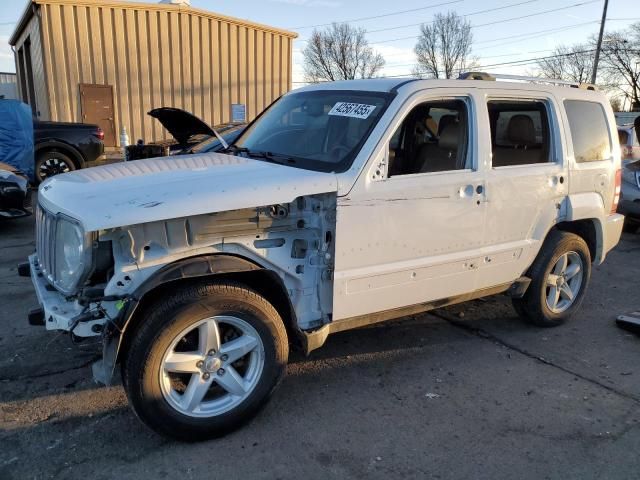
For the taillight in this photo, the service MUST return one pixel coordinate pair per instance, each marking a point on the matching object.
(616, 192)
(99, 134)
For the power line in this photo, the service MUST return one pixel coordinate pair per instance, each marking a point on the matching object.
(479, 12)
(534, 34)
(399, 12)
(514, 63)
(395, 65)
(497, 21)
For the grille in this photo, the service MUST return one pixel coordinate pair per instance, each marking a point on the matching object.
(45, 237)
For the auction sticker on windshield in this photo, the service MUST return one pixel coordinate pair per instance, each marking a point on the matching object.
(356, 110)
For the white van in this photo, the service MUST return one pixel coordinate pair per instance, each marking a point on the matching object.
(343, 204)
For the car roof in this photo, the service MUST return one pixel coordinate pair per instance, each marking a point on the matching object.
(409, 85)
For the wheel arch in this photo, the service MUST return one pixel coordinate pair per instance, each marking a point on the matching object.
(62, 147)
(218, 267)
(590, 230)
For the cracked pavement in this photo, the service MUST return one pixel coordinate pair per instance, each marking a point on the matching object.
(464, 392)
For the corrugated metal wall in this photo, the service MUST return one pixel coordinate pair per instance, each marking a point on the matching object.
(33, 34)
(8, 77)
(8, 85)
(160, 55)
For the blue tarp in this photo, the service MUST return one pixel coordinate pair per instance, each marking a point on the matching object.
(16, 136)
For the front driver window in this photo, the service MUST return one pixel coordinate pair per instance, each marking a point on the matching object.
(432, 138)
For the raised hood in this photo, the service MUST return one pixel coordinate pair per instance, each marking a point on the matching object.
(172, 187)
(180, 124)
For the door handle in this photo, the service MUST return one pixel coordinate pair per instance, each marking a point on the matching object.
(466, 191)
(556, 180)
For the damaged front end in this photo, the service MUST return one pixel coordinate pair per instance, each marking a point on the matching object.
(284, 251)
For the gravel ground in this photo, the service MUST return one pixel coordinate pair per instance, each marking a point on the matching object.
(464, 392)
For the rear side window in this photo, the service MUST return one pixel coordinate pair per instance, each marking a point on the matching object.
(589, 131)
(519, 132)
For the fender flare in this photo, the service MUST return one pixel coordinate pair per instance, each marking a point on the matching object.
(191, 267)
(63, 147)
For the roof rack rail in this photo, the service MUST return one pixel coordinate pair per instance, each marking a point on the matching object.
(500, 76)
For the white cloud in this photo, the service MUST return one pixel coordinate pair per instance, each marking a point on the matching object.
(311, 3)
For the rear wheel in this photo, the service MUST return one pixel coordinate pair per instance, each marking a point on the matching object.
(559, 278)
(205, 361)
(52, 163)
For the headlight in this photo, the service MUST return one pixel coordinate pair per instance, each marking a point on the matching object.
(72, 254)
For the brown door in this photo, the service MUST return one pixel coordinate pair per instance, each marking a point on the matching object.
(97, 107)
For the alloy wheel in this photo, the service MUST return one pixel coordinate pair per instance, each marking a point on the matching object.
(53, 166)
(564, 282)
(212, 366)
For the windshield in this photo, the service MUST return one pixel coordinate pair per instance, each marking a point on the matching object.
(316, 130)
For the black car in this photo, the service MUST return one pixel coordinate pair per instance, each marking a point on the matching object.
(14, 193)
(61, 147)
(190, 135)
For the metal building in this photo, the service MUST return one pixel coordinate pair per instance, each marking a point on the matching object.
(109, 62)
(8, 83)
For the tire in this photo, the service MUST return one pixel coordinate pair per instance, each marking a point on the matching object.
(154, 390)
(50, 163)
(537, 305)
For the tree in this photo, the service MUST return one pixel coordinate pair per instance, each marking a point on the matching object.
(444, 47)
(573, 63)
(341, 52)
(616, 103)
(621, 62)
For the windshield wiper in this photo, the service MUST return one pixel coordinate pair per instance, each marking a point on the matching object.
(224, 144)
(269, 156)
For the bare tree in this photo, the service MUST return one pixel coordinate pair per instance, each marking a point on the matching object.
(341, 52)
(621, 62)
(444, 47)
(574, 63)
(616, 103)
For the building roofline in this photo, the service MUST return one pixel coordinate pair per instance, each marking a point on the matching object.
(22, 23)
(166, 7)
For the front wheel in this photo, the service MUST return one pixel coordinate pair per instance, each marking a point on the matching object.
(205, 361)
(559, 278)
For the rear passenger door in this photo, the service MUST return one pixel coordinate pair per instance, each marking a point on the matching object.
(526, 181)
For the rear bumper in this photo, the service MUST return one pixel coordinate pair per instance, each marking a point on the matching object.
(630, 208)
(612, 231)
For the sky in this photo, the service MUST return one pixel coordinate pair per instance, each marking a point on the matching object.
(499, 36)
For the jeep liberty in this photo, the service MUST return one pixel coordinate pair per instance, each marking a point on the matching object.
(343, 204)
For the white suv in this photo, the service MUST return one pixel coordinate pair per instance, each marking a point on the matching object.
(342, 205)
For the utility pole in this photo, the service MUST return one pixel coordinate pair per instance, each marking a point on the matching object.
(599, 47)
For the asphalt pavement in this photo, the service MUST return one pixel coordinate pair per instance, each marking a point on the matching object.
(468, 392)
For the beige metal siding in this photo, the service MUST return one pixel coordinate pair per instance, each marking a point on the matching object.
(158, 55)
(8, 78)
(33, 34)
